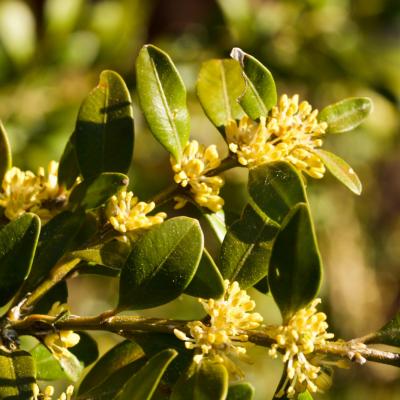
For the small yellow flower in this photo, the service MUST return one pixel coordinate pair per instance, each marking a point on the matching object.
(290, 133)
(197, 161)
(23, 191)
(127, 213)
(48, 393)
(222, 336)
(305, 331)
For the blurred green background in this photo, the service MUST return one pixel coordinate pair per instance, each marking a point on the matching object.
(51, 52)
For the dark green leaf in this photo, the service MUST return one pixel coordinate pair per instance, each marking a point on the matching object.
(260, 92)
(142, 385)
(206, 381)
(5, 152)
(246, 249)
(17, 374)
(240, 391)
(86, 350)
(162, 264)
(162, 97)
(274, 189)
(48, 368)
(207, 282)
(68, 170)
(389, 334)
(93, 194)
(58, 293)
(295, 268)
(18, 240)
(340, 170)
(113, 361)
(104, 129)
(346, 114)
(219, 85)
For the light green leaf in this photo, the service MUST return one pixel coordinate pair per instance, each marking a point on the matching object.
(260, 92)
(104, 129)
(17, 374)
(70, 364)
(340, 170)
(206, 381)
(389, 334)
(5, 152)
(143, 384)
(112, 362)
(217, 223)
(162, 97)
(346, 114)
(274, 188)
(18, 240)
(48, 368)
(162, 264)
(219, 85)
(246, 249)
(68, 169)
(207, 282)
(240, 391)
(86, 350)
(295, 268)
(305, 396)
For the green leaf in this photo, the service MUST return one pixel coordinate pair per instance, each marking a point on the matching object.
(162, 264)
(86, 350)
(93, 194)
(207, 282)
(219, 85)
(70, 364)
(55, 239)
(305, 396)
(104, 129)
(295, 268)
(48, 368)
(340, 170)
(240, 391)
(162, 97)
(260, 92)
(58, 292)
(113, 361)
(389, 334)
(206, 381)
(68, 169)
(18, 240)
(5, 152)
(246, 249)
(274, 188)
(143, 384)
(346, 114)
(217, 223)
(17, 374)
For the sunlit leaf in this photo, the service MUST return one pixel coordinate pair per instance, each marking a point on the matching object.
(5, 152)
(219, 85)
(260, 92)
(48, 368)
(162, 97)
(346, 115)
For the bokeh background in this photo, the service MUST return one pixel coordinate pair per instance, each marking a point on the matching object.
(51, 52)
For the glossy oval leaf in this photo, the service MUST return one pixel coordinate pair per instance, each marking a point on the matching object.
(143, 384)
(162, 264)
(5, 152)
(162, 97)
(240, 391)
(104, 133)
(47, 367)
(115, 359)
(206, 381)
(389, 334)
(295, 268)
(274, 188)
(340, 170)
(347, 114)
(207, 282)
(246, 249)
(260, 91)
(18, 240)
(219, 85)
(17, 374)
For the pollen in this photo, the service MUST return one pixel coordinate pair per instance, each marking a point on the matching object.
(191, 171)
(126, 213)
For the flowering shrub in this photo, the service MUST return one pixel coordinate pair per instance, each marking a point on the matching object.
(80, 217)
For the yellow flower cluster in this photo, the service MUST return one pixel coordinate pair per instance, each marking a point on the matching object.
(229, 316)
(23, 191)
(48, 393)
(127, 213)
(192, 171)
(290, 133)
(305, 331)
